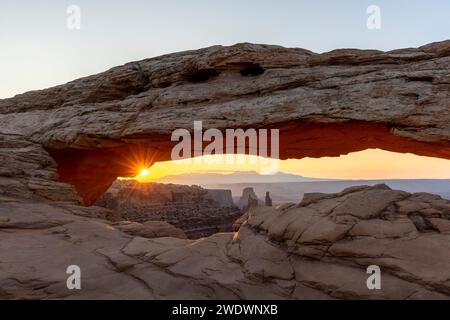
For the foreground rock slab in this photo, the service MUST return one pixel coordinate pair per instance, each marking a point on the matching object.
(318, 249)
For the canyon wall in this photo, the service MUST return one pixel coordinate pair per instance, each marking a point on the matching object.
(198, 212)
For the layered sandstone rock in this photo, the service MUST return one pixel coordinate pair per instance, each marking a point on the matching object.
(318, 249)
(198, 212)
(404, 234)
(324, 104)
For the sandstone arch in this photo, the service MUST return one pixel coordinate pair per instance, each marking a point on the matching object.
(324, 105)
(91, 171)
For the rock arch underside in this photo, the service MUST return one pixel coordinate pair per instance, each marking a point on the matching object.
(62, 147)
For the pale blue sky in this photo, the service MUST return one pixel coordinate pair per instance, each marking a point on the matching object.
(38, 50)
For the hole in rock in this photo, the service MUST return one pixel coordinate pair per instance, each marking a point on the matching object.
(315, 151)
(205, 198)
(251, 70)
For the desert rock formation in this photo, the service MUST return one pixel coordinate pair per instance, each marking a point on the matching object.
(324, 105)
(61, 148)
(221, 196)
(198, 212)
(268, 200)
(318, 249)
(248, 199)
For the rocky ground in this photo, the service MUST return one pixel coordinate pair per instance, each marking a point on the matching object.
(318, 249)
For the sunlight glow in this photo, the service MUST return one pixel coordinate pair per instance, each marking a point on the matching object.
(144, 173)
(367, 164)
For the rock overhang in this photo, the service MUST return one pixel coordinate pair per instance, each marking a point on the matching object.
(324, 105)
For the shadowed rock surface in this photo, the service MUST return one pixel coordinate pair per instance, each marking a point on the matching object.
(198, 212)
(151, 229)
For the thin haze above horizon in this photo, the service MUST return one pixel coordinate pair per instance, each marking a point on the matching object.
(40, 51)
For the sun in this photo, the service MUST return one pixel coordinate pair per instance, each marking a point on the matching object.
(144, 172)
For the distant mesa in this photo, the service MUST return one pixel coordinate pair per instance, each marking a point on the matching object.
(221, 196)
(248, 199)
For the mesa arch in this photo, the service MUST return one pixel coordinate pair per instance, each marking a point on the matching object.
(100, 127)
